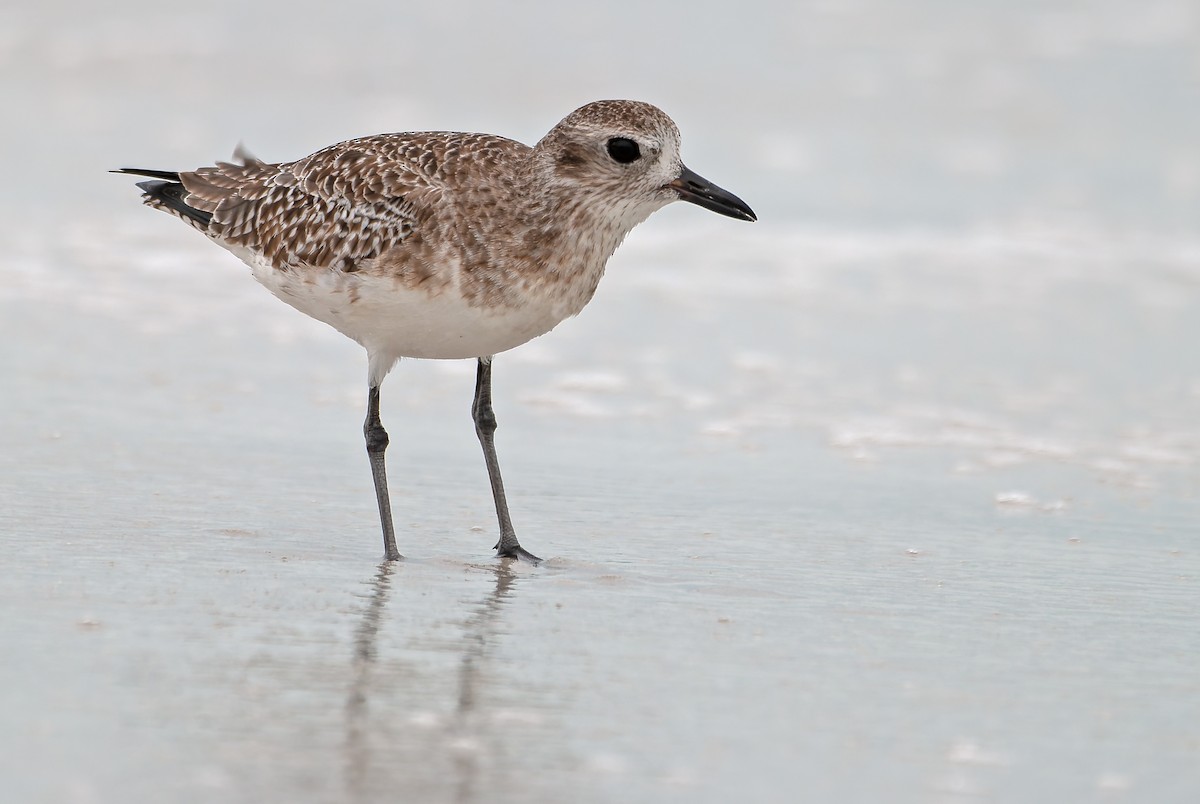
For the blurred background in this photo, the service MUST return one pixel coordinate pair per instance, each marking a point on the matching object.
(1032, 164)
(842, 112)
(892, 495)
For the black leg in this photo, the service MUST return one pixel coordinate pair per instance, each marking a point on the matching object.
(377, 441)
(485, 428)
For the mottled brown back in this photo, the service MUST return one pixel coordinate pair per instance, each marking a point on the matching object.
(349, 204)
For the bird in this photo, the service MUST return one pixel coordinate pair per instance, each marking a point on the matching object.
(443, 245)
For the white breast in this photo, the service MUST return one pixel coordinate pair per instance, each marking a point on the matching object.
(392, 320)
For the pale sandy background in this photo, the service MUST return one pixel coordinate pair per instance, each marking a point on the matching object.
(891, 496)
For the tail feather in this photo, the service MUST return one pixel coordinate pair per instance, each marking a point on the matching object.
(169, 175)
(169, 194)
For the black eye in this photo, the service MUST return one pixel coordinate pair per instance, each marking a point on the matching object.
(623, 150)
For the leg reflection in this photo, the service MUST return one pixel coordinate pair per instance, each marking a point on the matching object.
(365, 636)
(464, 760)
(479, 634)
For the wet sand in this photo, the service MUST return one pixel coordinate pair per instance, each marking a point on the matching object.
(768, 571)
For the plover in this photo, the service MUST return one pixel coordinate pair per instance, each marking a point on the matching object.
(442, 244)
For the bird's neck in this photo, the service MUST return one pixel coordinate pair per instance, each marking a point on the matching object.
(569, 240)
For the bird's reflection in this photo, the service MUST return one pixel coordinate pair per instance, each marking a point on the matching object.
(365, 637)
(465, 730)
(478, 635)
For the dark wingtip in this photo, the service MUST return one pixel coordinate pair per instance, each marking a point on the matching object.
(167, 175)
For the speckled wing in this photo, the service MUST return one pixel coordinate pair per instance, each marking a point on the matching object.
(340, 208)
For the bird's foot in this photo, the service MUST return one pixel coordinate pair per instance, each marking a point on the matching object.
(512, 549)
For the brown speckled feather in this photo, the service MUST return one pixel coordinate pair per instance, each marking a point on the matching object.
(348, 205)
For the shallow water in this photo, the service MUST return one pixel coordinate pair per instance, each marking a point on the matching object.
(906, 511)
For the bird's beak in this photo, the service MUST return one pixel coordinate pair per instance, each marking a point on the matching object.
(699, 190)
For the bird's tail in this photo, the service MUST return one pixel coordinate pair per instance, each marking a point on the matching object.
(168, 193)
(168, 175)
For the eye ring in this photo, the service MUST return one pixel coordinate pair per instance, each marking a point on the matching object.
(624, 150)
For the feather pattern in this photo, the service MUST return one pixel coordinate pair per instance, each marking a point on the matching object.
(437, 244)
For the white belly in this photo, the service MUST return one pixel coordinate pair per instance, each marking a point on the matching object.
(392, 321)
